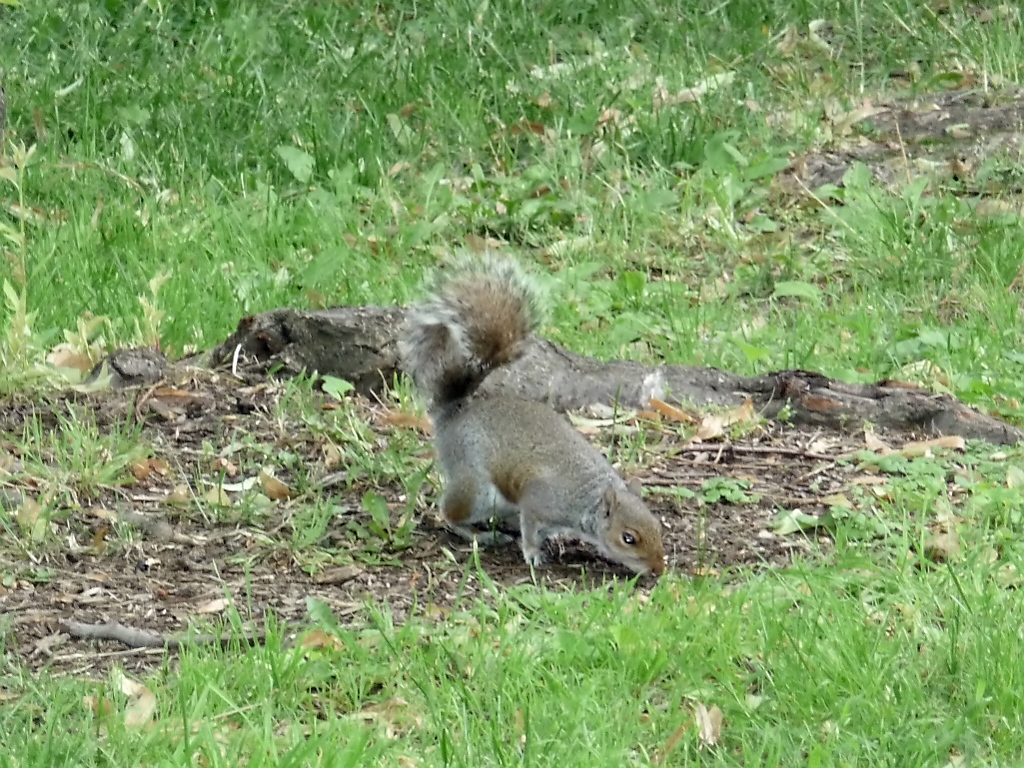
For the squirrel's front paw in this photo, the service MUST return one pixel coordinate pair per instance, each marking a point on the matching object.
(535, 557)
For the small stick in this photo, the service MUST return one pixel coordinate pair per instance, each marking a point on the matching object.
(143, 638)
(759, 449)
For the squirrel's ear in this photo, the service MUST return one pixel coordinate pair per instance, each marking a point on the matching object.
(610, 499)
(634, 487)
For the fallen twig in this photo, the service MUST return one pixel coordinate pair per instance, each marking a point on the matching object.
(759, 449)
(143, 638)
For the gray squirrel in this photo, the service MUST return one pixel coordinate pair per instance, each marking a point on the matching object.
(505, 457)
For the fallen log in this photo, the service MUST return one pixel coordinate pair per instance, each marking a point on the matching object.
(359, 344)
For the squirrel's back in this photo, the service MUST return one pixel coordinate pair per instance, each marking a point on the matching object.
(476, 319)
(503, 436)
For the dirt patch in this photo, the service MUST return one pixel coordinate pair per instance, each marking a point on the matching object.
(171, 567)
(947, 136)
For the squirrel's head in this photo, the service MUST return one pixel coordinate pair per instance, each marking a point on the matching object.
(630, 533)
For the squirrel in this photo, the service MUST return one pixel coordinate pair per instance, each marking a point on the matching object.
(505, 457)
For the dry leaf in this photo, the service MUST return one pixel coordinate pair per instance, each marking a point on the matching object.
(395, 714)
(26, 213)
(95, 218)
(332, 456)
(996, 207)
(407, 420)
(1014, 476)
(99, 541)
(589, 426)
(179, 495)
(241, 487)
(141, 702)
(8, 463)
(711, 426)
(98, 705)
(63, 356)
(670, 412)
(217, 496)
(177, 395)
(482, 245)
(436, 613)
(789, 41)
(662, 98)
(813, 28)
(924, 447)
(561, 68)
(821, 445)
(519, 726)
(397, 168)
(1007, 577)
(926, 374)
(614, 117)
(317, 638)
(222, 464)
(844, 122)
(143, 469)
(872, 443)
(274, 488)
(942, 547)
(528, 126)
(881, 492)
(741, 414)
(837, 500)
(602, 411)
(102, 513)
(709, 723)
(28, 513)
(671, 742)
(216, 605)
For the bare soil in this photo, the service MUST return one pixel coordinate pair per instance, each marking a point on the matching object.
(131, 556)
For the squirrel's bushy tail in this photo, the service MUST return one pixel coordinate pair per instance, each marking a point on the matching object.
(477, 316)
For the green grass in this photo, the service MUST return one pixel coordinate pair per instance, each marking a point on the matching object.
(846, 665)
(263, 141)
(321, 153)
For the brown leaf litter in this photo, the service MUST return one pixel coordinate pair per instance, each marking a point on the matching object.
(184, 563)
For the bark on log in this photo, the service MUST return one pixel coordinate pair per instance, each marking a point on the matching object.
(359, 344)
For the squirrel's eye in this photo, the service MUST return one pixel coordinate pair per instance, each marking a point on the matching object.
(628, 539)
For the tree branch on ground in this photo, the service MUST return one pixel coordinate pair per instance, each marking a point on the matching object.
(358, 344)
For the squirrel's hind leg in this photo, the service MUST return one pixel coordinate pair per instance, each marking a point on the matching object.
(464, 505)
